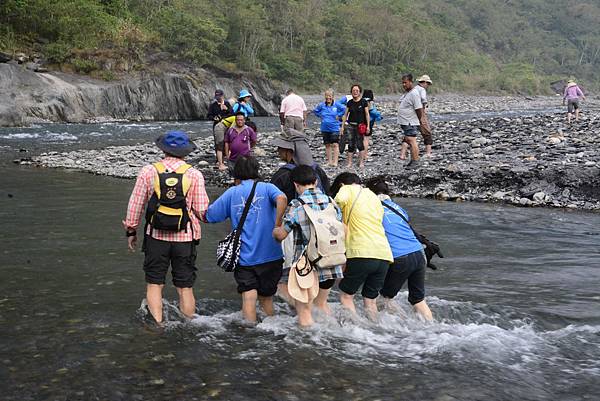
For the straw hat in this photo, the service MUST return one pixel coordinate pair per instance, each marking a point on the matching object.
(425, 78)
(303, 283)
(571, 82)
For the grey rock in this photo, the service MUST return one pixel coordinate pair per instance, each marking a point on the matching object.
(539, 197)
(61, 97)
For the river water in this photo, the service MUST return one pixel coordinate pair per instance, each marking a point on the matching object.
(516, 304)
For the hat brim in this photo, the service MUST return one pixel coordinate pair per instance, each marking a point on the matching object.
(179, 152)
(282, 143)
(296, 290)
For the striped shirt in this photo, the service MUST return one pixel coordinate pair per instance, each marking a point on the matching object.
(196, 200)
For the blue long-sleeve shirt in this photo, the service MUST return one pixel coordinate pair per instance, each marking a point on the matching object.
(245, 108)
(329, 116)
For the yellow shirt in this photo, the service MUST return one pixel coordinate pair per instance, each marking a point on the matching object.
(366, 236)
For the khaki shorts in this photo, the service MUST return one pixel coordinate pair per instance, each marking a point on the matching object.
(294, 122)
(219, 136)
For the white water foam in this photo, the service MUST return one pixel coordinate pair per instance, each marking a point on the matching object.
(400, 335)
(47, 136)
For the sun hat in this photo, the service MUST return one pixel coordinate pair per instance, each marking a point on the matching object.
(244, 93)
(175, 143)
(425, 78)
(283, 143)
(303, 286)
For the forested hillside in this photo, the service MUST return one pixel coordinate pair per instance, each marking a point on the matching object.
(472, 45)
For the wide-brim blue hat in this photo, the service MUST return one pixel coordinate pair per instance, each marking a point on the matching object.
(175, 143)
(244, 93)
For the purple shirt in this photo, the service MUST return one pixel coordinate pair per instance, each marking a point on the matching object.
(240, 144)
(572, 92)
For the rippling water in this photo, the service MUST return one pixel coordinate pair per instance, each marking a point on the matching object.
(515, 301)
(516, 306)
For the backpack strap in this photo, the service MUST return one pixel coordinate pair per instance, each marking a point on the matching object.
(160, 169)
(402, 216)
(185, 181)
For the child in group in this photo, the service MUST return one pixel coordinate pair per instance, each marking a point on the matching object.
(297, 221)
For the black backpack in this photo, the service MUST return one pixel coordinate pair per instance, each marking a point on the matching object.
(167, 208)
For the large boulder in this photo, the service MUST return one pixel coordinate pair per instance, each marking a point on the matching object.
(32, 97)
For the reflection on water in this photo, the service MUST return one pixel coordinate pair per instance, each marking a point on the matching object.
(515, 303)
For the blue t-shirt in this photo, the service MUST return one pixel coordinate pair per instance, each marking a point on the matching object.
(329, 116)
(399, 234)
(258, 244)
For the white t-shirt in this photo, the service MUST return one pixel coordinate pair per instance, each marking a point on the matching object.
(422, 93)
(293, 105)
(409, 102)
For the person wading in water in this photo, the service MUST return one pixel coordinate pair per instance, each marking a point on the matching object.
(174, 195)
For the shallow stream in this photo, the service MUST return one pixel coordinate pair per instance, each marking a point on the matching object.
(515, 303)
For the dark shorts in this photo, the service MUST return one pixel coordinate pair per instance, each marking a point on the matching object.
(409, 267)
(327, 284)
(354, 139)
(263, 278)
(159, 255)
(572, 105)
(410, 130)
(370, 273)
(330, 137)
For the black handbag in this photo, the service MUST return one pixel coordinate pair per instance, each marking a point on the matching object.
(431, 248)
(228, 250)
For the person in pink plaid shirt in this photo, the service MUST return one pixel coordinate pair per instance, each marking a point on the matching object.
(165, 247)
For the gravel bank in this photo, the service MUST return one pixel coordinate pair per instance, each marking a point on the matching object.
(529, 161)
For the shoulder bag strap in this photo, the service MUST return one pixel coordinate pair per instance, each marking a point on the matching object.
(402, 216)
(352, 207)
(246, 208)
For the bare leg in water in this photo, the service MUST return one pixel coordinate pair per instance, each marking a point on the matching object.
(249, 305)
(321, 301)
(187, 302)
(154, 299)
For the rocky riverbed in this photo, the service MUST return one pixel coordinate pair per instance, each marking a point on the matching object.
(528, 161)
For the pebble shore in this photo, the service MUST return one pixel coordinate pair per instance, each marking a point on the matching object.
(529, 161)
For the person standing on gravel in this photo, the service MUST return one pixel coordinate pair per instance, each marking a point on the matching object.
(411, 116)
(357, 117)
(330, 112)
(571, 96)
(293, 112)
(243, 104)
(218, 110)
(239, 139)
(176, 187)
(423, 84)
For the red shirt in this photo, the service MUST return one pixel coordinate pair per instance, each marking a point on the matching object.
(196, 201)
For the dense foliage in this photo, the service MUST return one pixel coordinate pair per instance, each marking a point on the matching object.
(511, 45)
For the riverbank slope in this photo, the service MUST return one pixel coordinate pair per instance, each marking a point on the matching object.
(535, 160)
